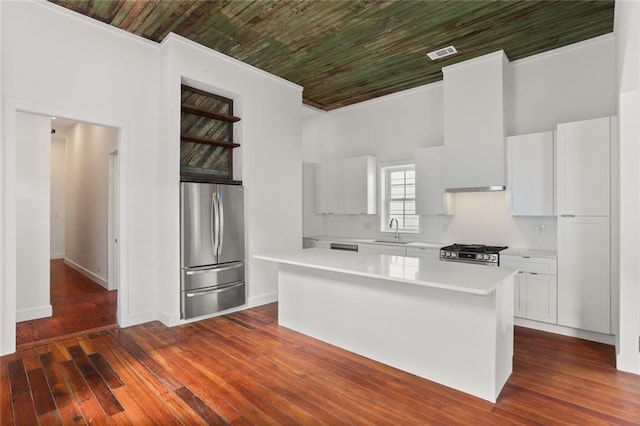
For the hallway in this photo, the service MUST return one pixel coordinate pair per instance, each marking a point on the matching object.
(79, 305)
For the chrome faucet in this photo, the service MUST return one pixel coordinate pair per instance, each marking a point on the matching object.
(396, 236)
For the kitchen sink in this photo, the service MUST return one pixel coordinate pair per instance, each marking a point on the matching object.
(391, 242)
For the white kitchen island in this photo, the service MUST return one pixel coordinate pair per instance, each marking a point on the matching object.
(448, 322)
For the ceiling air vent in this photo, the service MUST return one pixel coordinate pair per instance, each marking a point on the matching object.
(441, 53)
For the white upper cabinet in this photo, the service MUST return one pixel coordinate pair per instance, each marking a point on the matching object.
(359, 185)
(346, 186)
(320, 196)
(475, 94)
(530, 174)
(431, 198)
(334, 187)
(583, 155)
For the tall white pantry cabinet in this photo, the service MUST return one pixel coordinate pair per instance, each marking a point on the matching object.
(584, 235)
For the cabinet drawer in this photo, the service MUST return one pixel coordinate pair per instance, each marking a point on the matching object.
(538, 265)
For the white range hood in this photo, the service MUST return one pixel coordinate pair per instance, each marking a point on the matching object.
(475, 106)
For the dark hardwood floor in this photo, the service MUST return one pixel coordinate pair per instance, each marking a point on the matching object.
(245, 369)
(78, 304)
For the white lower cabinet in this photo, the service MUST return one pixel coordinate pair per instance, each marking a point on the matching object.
(311, 243)
(424, 253)
(536, 289)
(393, 250)
(368, 248)
(541, 296)
(520, 295)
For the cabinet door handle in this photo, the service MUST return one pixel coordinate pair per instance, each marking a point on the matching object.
(568, 215)
(526, 257)
(533, 273)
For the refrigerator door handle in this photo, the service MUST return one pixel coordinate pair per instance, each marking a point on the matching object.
(207, 269)
(221, 224)
(216, 290)
(214, 224)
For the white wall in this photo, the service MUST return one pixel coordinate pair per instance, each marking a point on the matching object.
(32, 212)
(391, 128)
(107, 76)
(87, 176)
(270, 162)
(101, 75)
(547, 89)
(627, 30)
(58, 172)
(564, 85)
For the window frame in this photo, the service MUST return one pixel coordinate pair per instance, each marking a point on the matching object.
(385, 196)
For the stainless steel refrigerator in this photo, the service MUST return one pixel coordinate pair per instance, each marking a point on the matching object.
(212, 248)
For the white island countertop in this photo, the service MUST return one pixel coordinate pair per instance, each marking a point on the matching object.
(455, 276)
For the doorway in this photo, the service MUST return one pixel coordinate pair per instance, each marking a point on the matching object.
(83, 198)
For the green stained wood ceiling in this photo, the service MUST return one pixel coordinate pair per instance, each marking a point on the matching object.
(344, 52)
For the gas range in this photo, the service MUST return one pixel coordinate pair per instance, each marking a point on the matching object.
(472, 253)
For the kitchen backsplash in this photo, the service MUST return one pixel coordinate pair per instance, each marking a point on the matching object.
(480, 217)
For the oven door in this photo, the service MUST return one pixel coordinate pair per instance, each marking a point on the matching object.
(471, 262)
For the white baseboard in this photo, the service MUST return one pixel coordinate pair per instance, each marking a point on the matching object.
(170, 320)
(262, 300)
(608, 339)
(55, 256)
(87, 273)
(34, 313)
(138, 318)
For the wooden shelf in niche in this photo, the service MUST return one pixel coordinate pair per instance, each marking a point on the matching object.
(204, 113)
(206, 145)
(196, 139)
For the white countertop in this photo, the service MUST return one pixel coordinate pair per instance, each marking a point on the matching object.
(462, 277)
(377, 241)
(515, 251)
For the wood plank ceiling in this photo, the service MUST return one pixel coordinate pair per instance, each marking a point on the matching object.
(344, 52)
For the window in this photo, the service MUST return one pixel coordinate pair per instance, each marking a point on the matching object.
(399, 198)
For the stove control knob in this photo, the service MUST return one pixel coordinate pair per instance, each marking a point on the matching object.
(494, 257)
(453, 254)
